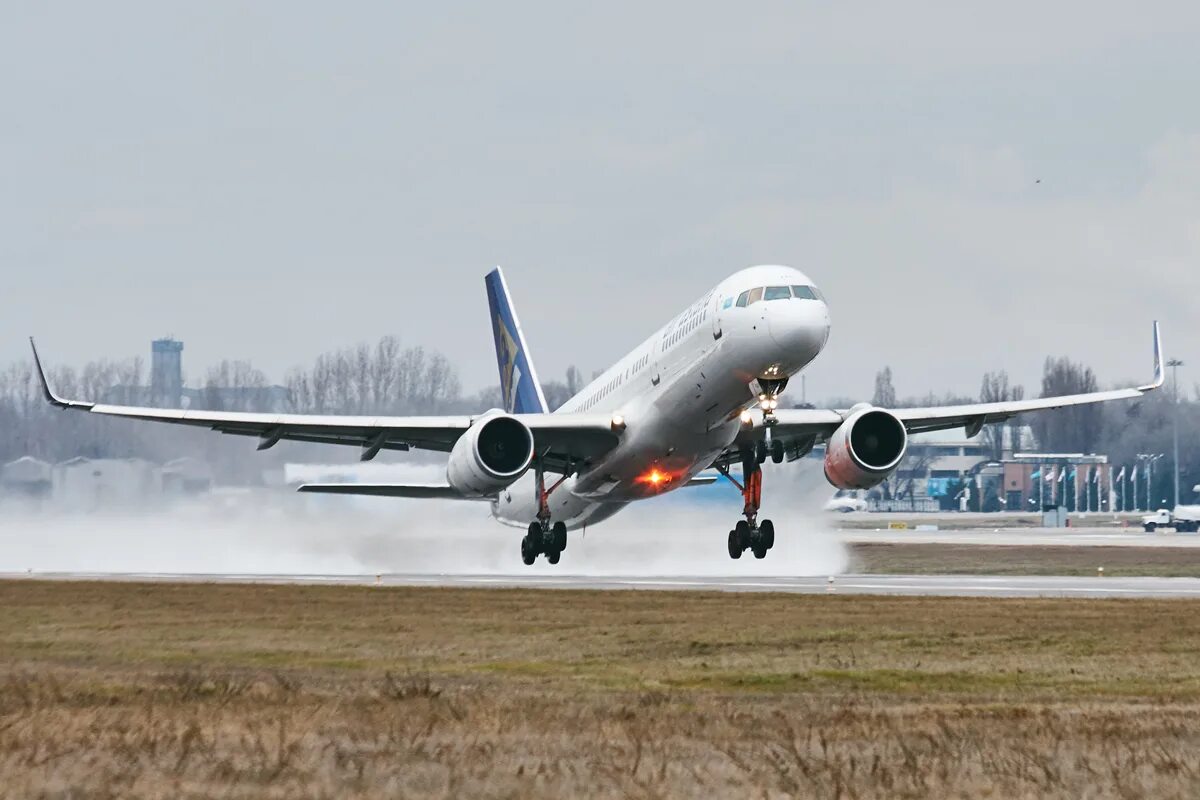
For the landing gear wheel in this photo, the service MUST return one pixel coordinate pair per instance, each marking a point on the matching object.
(759, 549)
(529, 551)
(760, 452)
(766, 533)
(531, 543)
(777, 451)
(742, 529)
(735, 545)
(559, 536)
(553, 556)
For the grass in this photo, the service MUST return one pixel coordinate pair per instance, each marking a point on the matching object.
(983, 559)
(193, 690)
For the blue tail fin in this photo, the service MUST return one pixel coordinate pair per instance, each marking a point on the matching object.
(519, 384)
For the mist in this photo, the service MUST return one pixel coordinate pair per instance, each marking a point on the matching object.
(276, 532)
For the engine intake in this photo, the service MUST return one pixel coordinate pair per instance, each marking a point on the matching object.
(865, 449)
(492, 454)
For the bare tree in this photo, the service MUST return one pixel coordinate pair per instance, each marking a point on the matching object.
(885, 392)
(1075, 429)
(996, 389)
(234, 386)
(574, 380)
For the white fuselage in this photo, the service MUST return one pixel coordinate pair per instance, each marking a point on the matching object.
(680, 394)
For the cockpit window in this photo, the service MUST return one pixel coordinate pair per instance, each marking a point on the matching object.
(806, 292)
(755, 295)
(777, 293)
(741, 301)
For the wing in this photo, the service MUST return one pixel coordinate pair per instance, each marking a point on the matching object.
(562, 440)
(415, 490)
(801, 428)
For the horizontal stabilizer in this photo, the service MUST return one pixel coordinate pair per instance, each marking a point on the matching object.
(418, 490)
(701, 480)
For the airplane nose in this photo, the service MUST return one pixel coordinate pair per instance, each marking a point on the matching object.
(798, 326)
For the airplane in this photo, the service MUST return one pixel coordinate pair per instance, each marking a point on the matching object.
(700, 392)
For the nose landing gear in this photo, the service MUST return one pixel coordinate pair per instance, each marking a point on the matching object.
(768, 401)
(750, 534)
(542, 537)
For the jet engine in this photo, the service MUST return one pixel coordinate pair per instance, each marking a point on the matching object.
(865, 449)
(492, 454)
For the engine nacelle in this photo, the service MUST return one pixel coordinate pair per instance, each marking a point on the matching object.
(865, 449)
(491, 455)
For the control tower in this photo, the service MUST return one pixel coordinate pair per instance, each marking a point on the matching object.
(166, 373)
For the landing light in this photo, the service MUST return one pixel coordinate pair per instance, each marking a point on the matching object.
(618, 423)
(747, 418)
(655, 477)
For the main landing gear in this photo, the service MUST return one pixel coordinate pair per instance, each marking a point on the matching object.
(542, 537)
(750, 534)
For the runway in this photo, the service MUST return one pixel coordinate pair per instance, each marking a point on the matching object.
(915, 585)
(1071, 537)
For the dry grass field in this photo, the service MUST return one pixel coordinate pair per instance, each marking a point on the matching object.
(192, 690)
(981, 559)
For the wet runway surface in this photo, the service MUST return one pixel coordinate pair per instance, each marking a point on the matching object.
(932, 585)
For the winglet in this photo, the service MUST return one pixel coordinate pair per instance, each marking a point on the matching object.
(49, 394)
(1160, 372)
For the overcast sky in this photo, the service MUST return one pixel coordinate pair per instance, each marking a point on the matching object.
(269, 181)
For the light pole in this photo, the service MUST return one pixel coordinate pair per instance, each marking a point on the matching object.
(1175, 364)
(1147, 460)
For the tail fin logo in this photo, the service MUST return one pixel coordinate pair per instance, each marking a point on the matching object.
(510, 373)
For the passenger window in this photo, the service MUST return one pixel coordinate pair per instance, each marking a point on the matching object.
(741, 301)
(777, 293)
(804, 293)
(755, 296)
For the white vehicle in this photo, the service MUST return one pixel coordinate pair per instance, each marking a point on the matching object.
(846, 502)
(1184, 519)
(700, 392)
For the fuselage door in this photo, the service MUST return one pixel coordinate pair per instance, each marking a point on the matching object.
(716, 315)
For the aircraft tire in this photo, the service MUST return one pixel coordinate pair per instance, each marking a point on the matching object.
(553, 556)
(777, 451)
(742, 529)
(735, 545)
(528, 550)
(759, 549)
(766, 532)
(559, 537)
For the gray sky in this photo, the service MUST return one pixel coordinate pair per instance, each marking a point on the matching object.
(268, 181)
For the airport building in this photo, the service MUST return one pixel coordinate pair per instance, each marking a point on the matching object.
(90, 484)
(26, 479)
